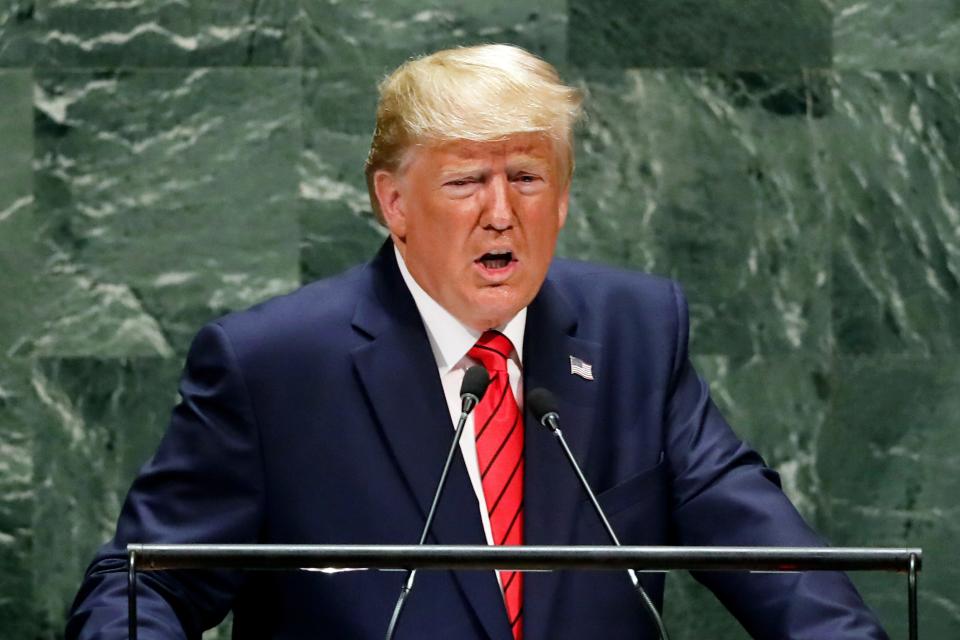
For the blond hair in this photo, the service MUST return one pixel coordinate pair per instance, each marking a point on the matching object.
(481, 93)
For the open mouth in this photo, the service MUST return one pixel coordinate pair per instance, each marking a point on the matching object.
(496, 259)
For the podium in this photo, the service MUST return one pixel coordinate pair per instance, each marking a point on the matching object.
(162, 557)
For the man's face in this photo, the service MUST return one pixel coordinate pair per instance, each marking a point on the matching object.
(477, 222)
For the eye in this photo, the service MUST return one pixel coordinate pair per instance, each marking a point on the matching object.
(461, 182)
(463, 187)
(528, 183)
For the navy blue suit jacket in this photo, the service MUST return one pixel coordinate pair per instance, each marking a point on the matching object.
(319, 418)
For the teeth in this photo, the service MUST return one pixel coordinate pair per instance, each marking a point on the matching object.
(496, 259)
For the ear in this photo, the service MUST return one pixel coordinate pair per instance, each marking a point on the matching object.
(564, 205)
(387, 187)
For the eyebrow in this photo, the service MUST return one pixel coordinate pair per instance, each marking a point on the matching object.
(520, 163)
(462, 170)
(527, 161)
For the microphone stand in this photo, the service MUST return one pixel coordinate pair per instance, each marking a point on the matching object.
(551, 421)
(469, 402)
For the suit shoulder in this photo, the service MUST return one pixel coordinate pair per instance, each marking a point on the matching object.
(591, 284)
(325, 305)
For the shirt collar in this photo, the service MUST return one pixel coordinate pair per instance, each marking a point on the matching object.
(450, 339)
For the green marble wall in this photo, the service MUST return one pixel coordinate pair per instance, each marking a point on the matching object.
(795, 163)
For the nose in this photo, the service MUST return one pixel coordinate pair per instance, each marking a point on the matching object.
(498, 213)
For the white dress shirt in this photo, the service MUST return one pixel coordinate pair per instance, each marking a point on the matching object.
(450, 341)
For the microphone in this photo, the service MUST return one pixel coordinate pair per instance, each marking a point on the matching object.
(474, 385)
(544, 407)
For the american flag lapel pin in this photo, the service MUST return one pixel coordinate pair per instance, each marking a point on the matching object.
(580, 368)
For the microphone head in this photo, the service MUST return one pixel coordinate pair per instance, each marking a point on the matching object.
(541, 402)
(475, 382)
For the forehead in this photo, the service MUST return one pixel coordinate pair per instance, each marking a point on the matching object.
(461, 152)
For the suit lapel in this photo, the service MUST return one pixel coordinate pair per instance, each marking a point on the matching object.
(552, 496)
(399, 375)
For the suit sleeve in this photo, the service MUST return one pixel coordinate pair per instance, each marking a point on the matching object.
(204, 485)
(724, 495)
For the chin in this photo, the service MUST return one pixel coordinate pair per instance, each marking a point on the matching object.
(496, 315)
(495, 306)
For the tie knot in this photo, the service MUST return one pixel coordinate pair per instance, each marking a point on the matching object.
(492, 350)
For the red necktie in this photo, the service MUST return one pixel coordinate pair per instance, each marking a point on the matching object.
(498, 428)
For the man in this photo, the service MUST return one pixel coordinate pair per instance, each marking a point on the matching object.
(324, 416)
